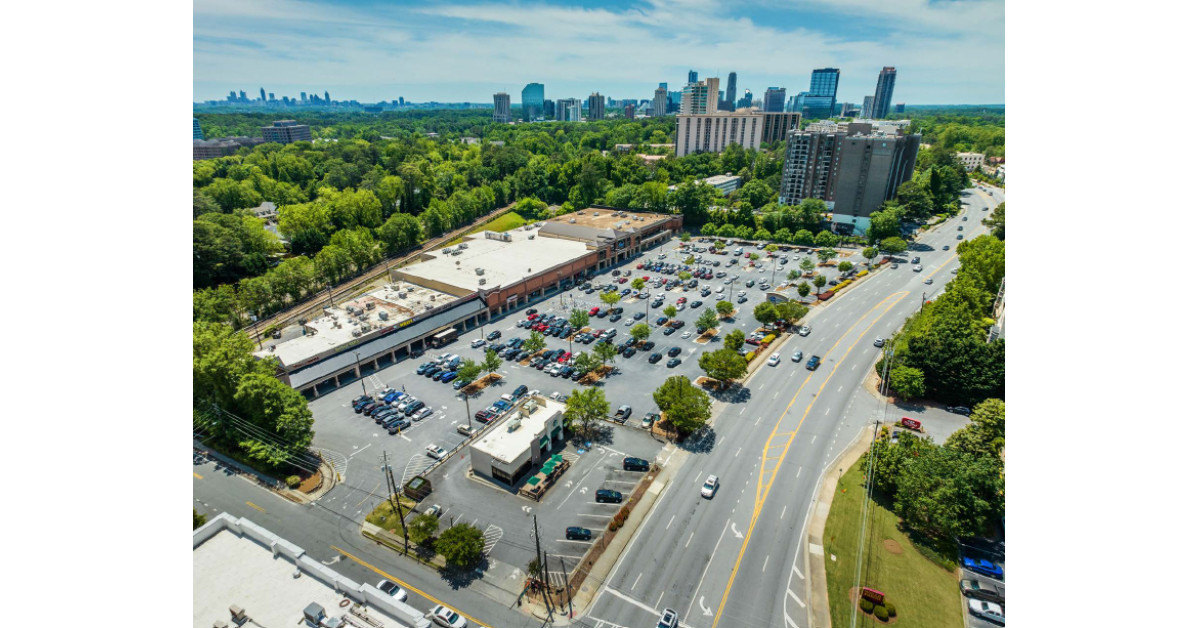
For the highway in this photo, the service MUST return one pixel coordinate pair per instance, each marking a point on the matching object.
(736, 560)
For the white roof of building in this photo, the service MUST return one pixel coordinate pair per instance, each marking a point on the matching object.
(503, 263)
(233, 569)
(505, 444)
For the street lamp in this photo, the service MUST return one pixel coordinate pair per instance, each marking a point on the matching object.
(361, 380)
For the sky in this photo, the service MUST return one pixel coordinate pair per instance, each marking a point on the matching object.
(944, 51)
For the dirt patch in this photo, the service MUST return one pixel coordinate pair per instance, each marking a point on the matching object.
(311, 483)
(892, 546)
(481, 383)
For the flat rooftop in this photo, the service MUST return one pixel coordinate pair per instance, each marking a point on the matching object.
(505, 444)
(503, 263)
(358, 318)
(229, 569)
(610, 219)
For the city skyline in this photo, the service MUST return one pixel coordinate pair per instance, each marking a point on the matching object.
(374, 52)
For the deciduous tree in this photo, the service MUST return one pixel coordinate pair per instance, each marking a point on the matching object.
(683, 404)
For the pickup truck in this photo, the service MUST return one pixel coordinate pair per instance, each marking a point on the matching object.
(622, 414)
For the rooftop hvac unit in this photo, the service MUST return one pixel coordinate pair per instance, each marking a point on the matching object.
(531, 236)
(370, 305)
(383, 316)
(237, 613)
(482, 281)
(402, 295)
(514, 425)
(479, 271)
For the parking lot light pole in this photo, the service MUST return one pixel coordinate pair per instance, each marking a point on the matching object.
(361, 380)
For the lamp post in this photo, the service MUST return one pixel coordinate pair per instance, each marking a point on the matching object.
(358, 367)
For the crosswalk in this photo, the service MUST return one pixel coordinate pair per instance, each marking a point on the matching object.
(415, 464)
(337, 460)
(490, 537)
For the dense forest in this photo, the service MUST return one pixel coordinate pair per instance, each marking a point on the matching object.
(377, 185)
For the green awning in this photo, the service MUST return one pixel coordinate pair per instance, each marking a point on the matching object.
(533, 481)
(548, 468)
(545, 440)
(557, 458)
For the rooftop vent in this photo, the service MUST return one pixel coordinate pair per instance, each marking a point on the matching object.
(478, 271)
(482, 281)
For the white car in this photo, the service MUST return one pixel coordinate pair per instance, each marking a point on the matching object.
(986, 610)
(773, 360)
(720, 289)
(918, 268)
(392, 589)
(878, 341)
(741, 293)
(557, 396)
(628, 322)
(443, 616)
(435, 452)
(478, 342)
(710, 487)
(686, 335)
(805, 330)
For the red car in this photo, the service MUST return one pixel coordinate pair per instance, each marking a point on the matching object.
(563, 359)
(594, 311)
(623, 280)
(531, 317)
(639, 266)
(681, 300)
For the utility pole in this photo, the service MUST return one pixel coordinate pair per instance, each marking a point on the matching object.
(567, 581)
(394, 497)
(537, 539)
(361, 379)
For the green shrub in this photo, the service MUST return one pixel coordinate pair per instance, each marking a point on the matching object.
(866, 605)
(293, 481)
(881, 612)
(891, 609)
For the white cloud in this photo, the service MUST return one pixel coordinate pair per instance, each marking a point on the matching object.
(466, 51)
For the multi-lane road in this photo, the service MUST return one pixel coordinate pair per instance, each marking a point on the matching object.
(738, 559)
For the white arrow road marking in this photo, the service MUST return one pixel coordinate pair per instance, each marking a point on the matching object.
(733, 526)
(707, 611)
(527, 509)
(332, 560)
(582, 490)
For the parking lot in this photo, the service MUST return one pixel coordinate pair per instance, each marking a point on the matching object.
(982, 549)
(354, 444)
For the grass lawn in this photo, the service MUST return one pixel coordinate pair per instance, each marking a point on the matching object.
(385, 516)
(925, 594)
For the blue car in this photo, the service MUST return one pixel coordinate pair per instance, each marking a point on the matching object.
(985, 567)
(393, 396)
(448, 376)
(502, 404)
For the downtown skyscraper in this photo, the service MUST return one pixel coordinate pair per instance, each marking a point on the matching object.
(533, 97)
(730, 93)
(882, 103)
(774, 99)
(501, 112)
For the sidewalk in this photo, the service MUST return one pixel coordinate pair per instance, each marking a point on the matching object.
(814, 534)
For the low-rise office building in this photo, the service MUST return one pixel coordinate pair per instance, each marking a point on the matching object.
(286, 132)
(970, 161)
(221, 146)
(520, 443)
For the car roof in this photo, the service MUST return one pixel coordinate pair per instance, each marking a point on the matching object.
(711, 479)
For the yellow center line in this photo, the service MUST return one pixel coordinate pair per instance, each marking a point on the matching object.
(404, 584)
(763, 492)
(256, 506)
(369, 495)
(197, 475)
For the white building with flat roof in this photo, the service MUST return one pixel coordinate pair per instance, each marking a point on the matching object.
(970, 161)
(524, 439)
(243, 574)
(491, 261)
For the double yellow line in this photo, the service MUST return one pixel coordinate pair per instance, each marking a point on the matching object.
(763, 491)
(403, 584)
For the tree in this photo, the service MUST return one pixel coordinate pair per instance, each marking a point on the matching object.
(461, 545)
(707, 320)
(793, 275)
(468, 371)
(691, 259)
(804, 289)
(802, 237)
(819, 282)
(198, 519)
(984, 435)
(791, 311)
(605, 352)
(685, 237)
(584, 408)
(826, 254)
(893, 245)
(771, 248)
(754, 257)
(884, 224)
(725, 309)
(491, 361)
(423, 528)
(947, 493)
(640, 332)
(610, 298)
(844, 267)
(586, 363)
(807, 265)
(762, 234)
(670, 311)
(638, 283)
(870, 253)
(765, 313)
(826, 239)
(280, 412)
(908, 382)
(684, 275)
(734, 340)
(725, 365)
(683, 404)
(996, 222)
(578, 318)
(534, 343)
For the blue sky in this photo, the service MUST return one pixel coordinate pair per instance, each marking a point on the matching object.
(944, 51)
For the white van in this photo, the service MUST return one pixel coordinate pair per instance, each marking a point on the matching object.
(453, 361)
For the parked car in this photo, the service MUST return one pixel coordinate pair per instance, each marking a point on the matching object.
(987, 610)
(804, 330)
(985, 567)
(494, 335)
(655, 357)
(435, 452)
(879, 342)
(673, 351)
(649, 420)
(576, 533)
(622, 414)
(635, 464)
(423, 413)
(520, 391)
(673, 362)
(399, 423)
(607, 496)
(981, 590)
(963, 410)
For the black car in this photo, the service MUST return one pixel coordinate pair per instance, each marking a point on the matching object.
(358, 407)
(565, 372)
(576, 533)
(639, 316)
(674, 351)
(606, 496)
(963, 410)
(494, 335)
(614, 318)
(430, 374)
(520, 391)
(648, 345)
(655, 357)
(636, 464)
(618, 311)
(630, 352)
(656, 303)
(668, 331)
(662, 320)
(696, 304)
(424, 368)
(750, 284)
(413, 407)
(673, 362)
(577, 375)
(813, 363)
(946, 248)
(366, 410)
(359, 399)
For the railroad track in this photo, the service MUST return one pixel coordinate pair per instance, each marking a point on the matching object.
(315, 302)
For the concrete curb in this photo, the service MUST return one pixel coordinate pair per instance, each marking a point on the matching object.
(814, 534)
